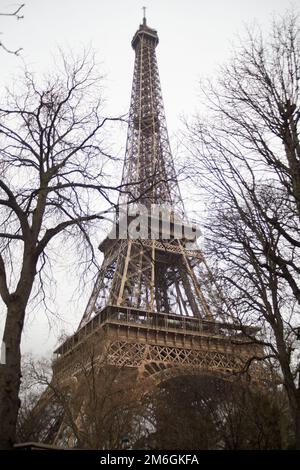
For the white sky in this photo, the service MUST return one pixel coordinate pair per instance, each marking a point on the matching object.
(195, 37)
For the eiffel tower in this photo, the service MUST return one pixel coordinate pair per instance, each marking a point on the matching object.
(155, 307)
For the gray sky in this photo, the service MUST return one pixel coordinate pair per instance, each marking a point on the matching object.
(195, 37)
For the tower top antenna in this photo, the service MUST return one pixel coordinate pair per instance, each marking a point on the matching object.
(144, 16)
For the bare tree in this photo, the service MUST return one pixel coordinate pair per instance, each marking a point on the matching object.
(34, 425)
(93, 409)
(202, 412)
(53, 180)
(18, 15)
(248, 160)
(100, 405)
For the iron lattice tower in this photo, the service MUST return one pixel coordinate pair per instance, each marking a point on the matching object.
(155, 304)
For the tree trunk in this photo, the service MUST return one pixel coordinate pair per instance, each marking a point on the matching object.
(295, 408)
(10, 376)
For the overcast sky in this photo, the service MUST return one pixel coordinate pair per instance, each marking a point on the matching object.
(195, 37)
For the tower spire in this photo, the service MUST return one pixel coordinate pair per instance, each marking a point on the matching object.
(149, 172)
(144, 16)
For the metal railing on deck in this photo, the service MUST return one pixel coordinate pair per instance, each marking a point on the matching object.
(158, 321)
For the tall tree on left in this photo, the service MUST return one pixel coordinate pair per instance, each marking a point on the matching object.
(52, 181)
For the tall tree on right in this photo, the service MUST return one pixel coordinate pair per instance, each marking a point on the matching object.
(245, 157)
